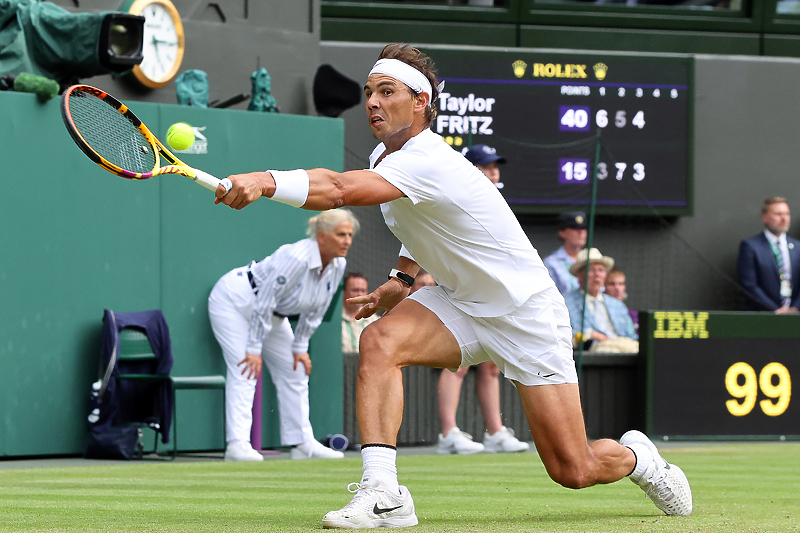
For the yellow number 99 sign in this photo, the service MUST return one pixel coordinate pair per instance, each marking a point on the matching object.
(747, 392)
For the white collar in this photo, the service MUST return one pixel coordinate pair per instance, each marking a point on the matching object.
(598, 298)
(314, 257)
(771, 237)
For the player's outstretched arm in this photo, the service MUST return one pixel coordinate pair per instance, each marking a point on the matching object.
(316, 190)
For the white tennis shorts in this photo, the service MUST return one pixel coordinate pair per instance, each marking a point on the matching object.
(531, 345)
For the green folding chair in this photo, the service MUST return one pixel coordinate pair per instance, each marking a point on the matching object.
(135, 347)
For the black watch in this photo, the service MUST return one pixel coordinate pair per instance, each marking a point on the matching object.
(402, 276)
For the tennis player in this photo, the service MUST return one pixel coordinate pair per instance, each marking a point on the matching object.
(494, 301)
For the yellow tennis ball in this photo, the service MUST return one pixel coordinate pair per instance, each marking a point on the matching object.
(180, 136)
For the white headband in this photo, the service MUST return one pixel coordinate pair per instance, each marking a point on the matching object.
(404, 72)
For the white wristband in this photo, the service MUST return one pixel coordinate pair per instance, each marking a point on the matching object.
(291, 186)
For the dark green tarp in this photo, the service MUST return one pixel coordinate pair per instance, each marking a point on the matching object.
(45, 39)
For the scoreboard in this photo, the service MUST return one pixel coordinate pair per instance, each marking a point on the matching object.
(721, 375)
(545, 112)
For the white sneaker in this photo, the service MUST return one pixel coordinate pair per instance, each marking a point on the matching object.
(314, 450)
(664, 483)
(241, 450)
(458, 442)
(373, 506)
(504, 441)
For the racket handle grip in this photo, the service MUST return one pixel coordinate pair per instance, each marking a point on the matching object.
(210, 182)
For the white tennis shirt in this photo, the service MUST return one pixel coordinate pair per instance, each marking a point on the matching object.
(456, 225)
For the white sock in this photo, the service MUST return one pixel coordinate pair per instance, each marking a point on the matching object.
(644, 459)
(380, 463)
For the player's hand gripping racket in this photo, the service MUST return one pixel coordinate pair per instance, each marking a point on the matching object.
(114, 138)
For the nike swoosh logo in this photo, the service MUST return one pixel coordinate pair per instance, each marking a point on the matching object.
(379, 510)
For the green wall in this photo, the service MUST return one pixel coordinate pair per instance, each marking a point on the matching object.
(76, 240)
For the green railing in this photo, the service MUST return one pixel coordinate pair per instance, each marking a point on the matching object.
(751, 27)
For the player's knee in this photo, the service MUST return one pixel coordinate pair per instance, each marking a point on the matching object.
(571, 475)
(368, 344)
(572, 480)
(376, 348)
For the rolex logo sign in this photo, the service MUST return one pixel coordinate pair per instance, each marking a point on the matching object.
(519, 68)
(600, 71)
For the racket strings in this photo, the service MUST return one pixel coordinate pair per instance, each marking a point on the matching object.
(111, 134)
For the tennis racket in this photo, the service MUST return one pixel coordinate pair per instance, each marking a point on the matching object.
(114, 138)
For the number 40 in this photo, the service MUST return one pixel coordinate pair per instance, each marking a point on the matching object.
(748, 391)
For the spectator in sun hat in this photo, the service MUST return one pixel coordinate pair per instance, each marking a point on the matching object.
(606, 317)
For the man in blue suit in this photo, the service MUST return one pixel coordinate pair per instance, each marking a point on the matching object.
(769, 262)
(606, 317)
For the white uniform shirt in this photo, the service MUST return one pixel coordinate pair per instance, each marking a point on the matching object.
(289, 282)
(456, 225)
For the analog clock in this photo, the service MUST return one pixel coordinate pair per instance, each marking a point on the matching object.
(163, 45)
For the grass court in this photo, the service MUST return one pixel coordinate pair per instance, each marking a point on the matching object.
(737, 487)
